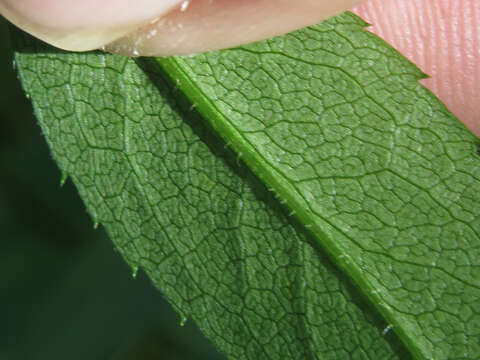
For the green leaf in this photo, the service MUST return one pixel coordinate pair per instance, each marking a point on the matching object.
(350, 156)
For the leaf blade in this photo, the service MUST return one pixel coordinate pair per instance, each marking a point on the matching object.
(120, 174)
(403, 116)
(452, 157)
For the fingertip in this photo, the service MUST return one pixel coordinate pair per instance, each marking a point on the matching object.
(82, 25)
(202, 25)
(442, 38)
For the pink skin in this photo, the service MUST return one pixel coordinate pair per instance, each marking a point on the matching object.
(441, 36)
(217, 24)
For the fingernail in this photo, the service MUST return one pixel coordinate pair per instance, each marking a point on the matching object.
(83, 25)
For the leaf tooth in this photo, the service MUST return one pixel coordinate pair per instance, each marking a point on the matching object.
(134, 271)
(64, 178)
(183, 320)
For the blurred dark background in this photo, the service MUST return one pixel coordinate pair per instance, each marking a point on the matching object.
(64, 291)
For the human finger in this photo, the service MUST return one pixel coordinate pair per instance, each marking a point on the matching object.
(442, 38)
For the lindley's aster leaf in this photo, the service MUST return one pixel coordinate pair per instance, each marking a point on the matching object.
(333, 122)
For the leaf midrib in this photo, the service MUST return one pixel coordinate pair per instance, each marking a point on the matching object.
(287, 195)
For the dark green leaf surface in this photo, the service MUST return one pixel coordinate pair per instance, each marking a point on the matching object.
(205, 230)
(333, 121)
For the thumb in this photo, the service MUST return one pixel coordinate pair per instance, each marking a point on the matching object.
(82, 25)
(164, 27)
(442, 38)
